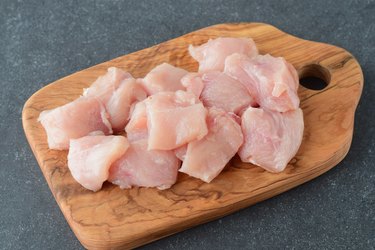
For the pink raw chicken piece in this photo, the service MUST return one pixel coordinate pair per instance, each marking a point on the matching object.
(106, 84)
(174, 119)
(181, 152)
(145, 168)
(90, 158)
(136, 128)
(118, 106)
(163, 77)
(271, 138)
(193, 83)
(272, 81)
(74, 120)
(222, 91)
(211, 55)
(207, 157)
(117, 90)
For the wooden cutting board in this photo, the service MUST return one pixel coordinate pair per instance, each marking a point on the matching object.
(115, 218)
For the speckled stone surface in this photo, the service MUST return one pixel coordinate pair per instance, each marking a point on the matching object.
(42, 41)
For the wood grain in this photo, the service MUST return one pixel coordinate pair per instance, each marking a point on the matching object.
(115, 218)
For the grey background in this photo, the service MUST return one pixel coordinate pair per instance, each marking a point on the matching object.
(42, 41)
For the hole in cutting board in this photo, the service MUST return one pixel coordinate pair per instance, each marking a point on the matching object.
(314, 77)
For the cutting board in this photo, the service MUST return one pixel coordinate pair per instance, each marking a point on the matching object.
(115, 218)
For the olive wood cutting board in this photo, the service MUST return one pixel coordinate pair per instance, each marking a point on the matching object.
(115, 218)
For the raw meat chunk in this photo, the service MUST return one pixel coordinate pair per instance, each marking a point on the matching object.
(271, 81)
(174, 119)
(105, 85)
(119, 104)
(216, 89)
(144, 168)
(211, 55)
(207, 157)
(193, 83)
(163, 77)
(222, 91)
(181, 152)
(235, 117)
(74, 120)
(90, 158)
(117, 90)
(137, 126)
(271, 138)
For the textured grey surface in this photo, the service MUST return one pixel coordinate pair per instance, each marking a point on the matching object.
(42, 41)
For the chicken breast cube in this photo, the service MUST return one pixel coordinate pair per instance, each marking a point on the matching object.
(174, 119)
(106, 84)
(272, 81)
(193, 83)
(222, 91)
(163, 77)
(181, 152)
(90, 158)
(216, 89)
(271, 138)
(118, 91)
(206, 158)
(74, 120)
(211, 55)
(145, 168)
(136, 128)
(118, 106)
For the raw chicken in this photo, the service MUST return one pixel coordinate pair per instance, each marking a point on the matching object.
(181, 152)
(136, 128)
(202, 118)
(211, 55)
(222, 91)
(271, 138)
(90, 158)
(235, 117)
(193, 83)
(144, 168)
(216, 89)
(207, 157)
(105, 85)
(117, 90)
(74, 120)
(118, 106)
(272, 81)
(174, 119)
(163, 77)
